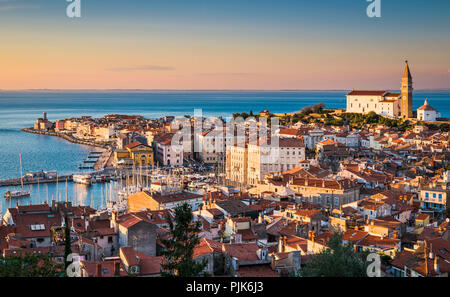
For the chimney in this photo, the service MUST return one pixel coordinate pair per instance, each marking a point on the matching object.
(431, 254)
(117, 268)
(114, 221)
(436, 266)
(284, 243)
(99, 270)
(259, 218)
(395, 234)
(313, 236)
(280, 244)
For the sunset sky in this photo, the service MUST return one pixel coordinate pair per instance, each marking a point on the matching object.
(233, 44)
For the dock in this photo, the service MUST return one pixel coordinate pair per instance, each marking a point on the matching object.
(14, 182)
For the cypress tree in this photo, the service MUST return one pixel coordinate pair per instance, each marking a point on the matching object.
(179, 247)
(67, 242)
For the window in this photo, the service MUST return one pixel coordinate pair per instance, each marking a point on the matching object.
(434, 195)
(427, 195)
(440, 197)
(110, 240)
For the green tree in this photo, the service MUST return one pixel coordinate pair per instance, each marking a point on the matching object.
(30, 265)
(67, 242)
(318, 108)
(179, 247)
(339, 260)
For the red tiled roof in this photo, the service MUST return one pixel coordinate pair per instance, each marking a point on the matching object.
(366, 93)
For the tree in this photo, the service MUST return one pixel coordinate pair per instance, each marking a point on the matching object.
(318, 108)
(179, 247)
(67, 242)
(339, 260)
(30, 265)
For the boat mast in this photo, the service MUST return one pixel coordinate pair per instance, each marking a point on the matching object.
(57, 196)
(67, 192)
(21, 180)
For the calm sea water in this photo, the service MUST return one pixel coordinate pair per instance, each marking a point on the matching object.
(20, 109)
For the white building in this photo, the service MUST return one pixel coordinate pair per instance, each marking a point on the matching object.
(427, 113)
(213, 146)
(381, 102)
(237, 162)
(265, 158)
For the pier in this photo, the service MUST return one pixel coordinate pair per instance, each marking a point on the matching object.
(33, 181)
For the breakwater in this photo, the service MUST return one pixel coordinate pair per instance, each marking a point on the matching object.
(13, 182)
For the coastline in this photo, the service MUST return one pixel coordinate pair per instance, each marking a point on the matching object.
(67, 137)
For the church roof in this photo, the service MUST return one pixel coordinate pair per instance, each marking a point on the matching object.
(407, 73)
(366, 93)
(427, 107)
(390, 94)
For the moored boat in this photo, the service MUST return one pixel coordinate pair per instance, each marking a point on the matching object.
(82, 179)
(20, 193)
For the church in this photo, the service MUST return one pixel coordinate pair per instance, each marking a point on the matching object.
(427, 113)
(383, 102)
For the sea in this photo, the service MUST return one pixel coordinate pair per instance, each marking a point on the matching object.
(19, 109)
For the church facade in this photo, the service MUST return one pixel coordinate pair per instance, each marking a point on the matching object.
(385, 103)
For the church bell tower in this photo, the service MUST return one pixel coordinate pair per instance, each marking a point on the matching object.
(407, 94)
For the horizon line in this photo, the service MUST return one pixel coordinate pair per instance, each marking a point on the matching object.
(207, 90)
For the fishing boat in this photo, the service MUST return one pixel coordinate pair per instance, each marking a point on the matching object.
(82, 179)
(20, 193)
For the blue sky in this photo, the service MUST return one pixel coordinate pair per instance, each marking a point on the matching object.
(294, 44)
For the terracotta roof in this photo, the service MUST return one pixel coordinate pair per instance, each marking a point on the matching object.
(242, 251)
(354, 235)
(366, 93)
(206, 247)
(135, 144)
(289, 131)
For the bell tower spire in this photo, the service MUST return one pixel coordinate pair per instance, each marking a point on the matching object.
(406, 90)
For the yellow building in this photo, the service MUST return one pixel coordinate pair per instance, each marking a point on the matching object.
(135, 153)
(122, 159)
(141, 154)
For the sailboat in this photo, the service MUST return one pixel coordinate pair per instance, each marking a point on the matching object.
(21, 193)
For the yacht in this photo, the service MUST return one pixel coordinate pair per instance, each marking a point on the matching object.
(18, 193)
(82, 179)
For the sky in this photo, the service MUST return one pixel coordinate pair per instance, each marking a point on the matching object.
(233, 44)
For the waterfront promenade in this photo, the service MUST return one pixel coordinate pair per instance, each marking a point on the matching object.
(67, 137)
